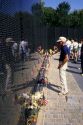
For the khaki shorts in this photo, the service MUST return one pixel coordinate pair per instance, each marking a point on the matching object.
(75, 50)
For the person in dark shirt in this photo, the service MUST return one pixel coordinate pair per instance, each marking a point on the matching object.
(63, 60)
(64, 51)
(82, 57)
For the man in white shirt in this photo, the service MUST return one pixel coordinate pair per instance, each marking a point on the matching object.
(68, 43)
(79, 49)
(75, 50)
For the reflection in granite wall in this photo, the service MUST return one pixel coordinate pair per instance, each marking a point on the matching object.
(17, 20)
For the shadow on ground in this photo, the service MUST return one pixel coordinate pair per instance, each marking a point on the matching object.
(71, 71)
(73, 67)
(54, 87)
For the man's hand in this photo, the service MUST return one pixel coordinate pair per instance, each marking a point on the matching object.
(60, 65)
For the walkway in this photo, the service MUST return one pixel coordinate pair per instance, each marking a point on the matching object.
(61, 110)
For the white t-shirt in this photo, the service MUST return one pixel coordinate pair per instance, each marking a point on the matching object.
(68, 43)
(79, 45)
(71, 46)
(75, 45)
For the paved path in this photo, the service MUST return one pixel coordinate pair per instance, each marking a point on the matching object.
(61, 110)
(75, 71)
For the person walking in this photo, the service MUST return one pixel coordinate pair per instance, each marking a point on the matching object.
(68, 43)
(63, 60)
(75, 51)
(71, 50)
(79, 49)
(82, 57)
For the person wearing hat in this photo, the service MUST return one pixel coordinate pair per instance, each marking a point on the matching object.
(63, 60)
(68, 43)
(81, 57)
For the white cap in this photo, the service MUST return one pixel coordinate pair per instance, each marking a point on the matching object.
(63, 39)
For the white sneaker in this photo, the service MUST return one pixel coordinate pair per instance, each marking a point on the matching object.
(60, 93)
(63, 93)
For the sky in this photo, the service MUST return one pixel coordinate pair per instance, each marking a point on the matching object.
(12, 6)
(75, 4)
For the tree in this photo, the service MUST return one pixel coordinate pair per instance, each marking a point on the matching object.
(37, 11)
(74, 19)
(63, 8)
(80, 15)
(49, 16)
(62, 13)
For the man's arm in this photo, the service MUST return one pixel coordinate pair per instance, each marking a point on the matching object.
(57, 50)
(64, 61)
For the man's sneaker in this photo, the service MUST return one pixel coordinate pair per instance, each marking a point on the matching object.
(63, 93)
(60, 93)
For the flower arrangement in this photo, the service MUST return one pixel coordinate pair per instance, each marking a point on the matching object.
(31, 105)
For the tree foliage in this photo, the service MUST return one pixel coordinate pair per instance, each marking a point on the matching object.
(63, 8)
(61, 16)
(49, 16)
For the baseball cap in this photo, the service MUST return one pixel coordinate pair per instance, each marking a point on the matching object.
(63, 39)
